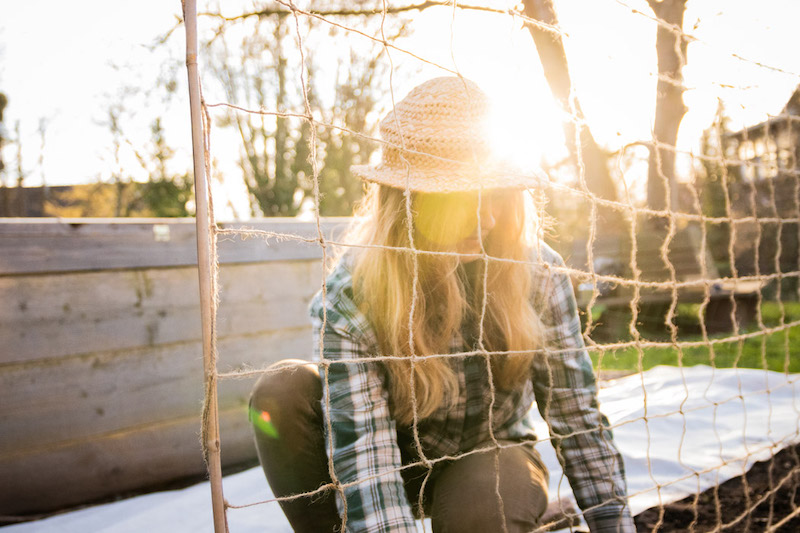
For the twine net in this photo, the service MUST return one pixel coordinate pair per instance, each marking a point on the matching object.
(647, 277)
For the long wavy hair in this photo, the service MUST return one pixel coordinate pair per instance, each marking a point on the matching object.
(447, 293)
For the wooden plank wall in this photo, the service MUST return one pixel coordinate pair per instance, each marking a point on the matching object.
(101, 357)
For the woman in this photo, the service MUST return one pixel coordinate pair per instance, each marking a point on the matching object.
(436, 337)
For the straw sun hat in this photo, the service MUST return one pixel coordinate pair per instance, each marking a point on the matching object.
(437, 141)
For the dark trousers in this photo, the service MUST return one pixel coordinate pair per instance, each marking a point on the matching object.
(460, 495)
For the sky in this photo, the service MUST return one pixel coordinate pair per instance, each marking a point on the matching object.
(57, 64)
(63, 65)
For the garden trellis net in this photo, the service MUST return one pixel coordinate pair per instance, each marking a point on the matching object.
(705, 271)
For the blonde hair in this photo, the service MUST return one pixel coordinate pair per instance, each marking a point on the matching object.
(382, 283)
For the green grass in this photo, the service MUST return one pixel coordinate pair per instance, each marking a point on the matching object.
(762, 351)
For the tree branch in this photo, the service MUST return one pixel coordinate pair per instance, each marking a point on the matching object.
(391, 10)
(288, 9)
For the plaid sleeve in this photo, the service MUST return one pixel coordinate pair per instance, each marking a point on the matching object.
(365, 454)
(566, 395)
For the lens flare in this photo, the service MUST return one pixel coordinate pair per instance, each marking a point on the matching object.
(262, 421)
(446, 218)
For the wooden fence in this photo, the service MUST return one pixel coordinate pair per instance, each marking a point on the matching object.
(100, 350)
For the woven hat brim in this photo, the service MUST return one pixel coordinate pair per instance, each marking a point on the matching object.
(443, 181)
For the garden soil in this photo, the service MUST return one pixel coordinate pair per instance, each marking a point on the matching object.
(734, 505)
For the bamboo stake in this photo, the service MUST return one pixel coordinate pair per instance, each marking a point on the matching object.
(211, 443)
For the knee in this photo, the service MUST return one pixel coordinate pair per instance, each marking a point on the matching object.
(285, 381)
(475, 495)
(476, 512)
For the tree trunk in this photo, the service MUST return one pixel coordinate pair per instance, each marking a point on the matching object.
(554, 62)
(3, 103)
(284, 184)
(670, 109)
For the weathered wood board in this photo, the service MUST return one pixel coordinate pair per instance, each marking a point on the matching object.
(80, 313)
(101, 363)
(57, 245)
(72, 473)
(77, 398)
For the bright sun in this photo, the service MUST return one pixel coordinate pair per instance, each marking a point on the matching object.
(526, 137)
(526, 127)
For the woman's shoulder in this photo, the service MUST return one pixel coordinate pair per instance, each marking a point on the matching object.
(551, 284)
(543, 256)
(336, 305)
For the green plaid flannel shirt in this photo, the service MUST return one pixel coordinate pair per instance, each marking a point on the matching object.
(366, 456)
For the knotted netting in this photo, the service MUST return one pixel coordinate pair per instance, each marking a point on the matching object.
(683, 255)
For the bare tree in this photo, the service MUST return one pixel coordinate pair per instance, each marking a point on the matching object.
(671, 46)
(3, 103)
(275, 156)
(581, 143)
(117, 140)
(357, 93)
(258, 80)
